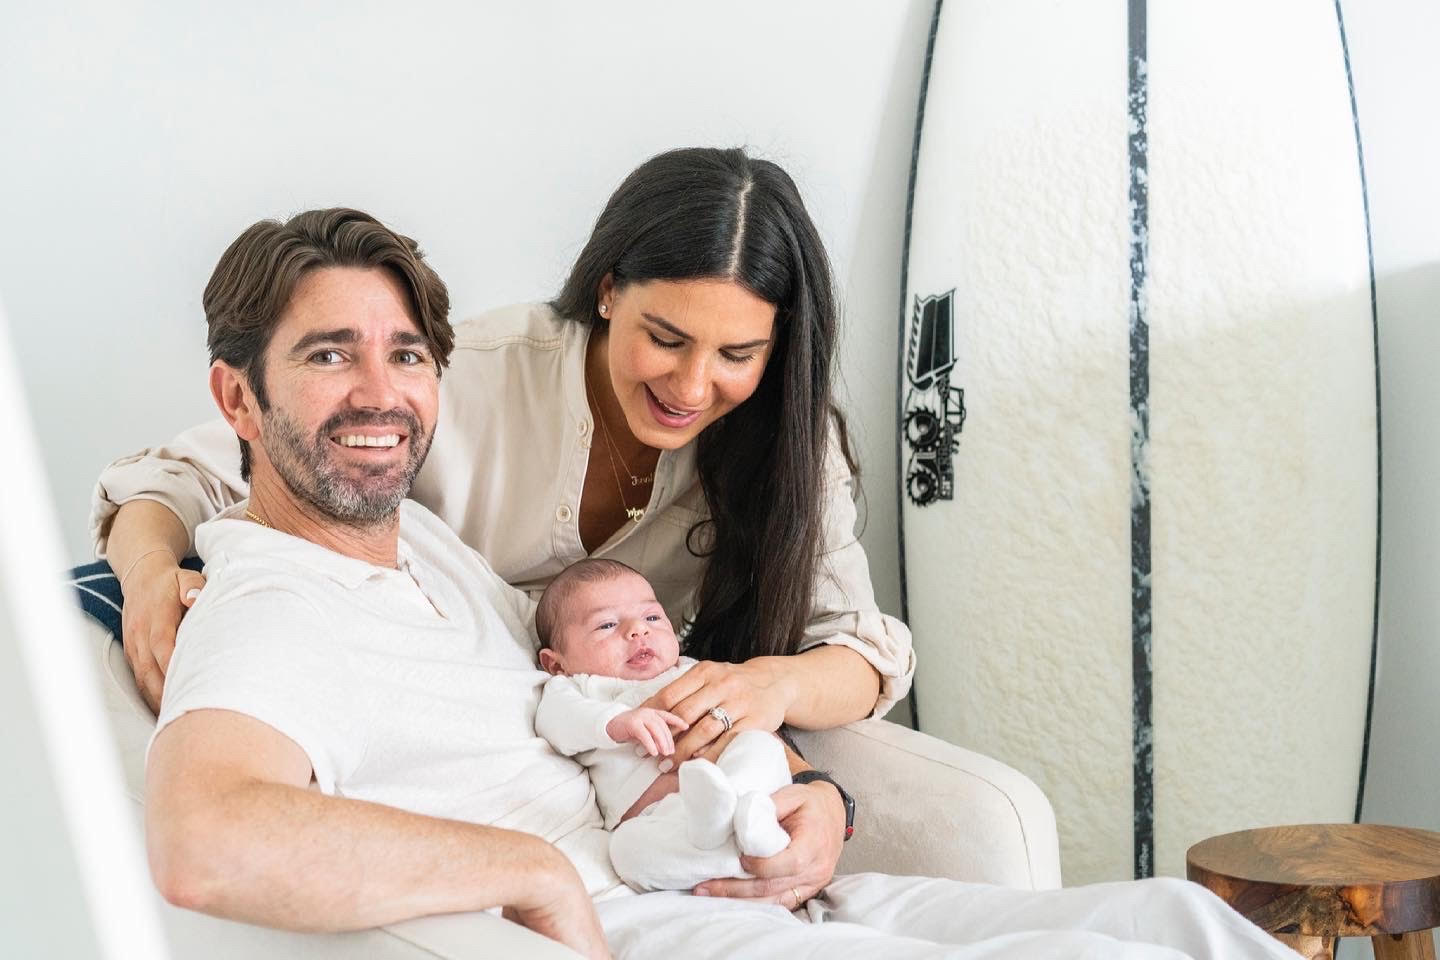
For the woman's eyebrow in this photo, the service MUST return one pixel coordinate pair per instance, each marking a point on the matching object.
(664, 324)
(671, 328)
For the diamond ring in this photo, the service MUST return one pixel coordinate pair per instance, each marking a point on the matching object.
(718, 712)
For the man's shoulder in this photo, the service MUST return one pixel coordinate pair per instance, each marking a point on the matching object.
(256, 594)
(246, 557)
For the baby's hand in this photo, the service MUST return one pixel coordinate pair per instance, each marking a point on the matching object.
(648, 727)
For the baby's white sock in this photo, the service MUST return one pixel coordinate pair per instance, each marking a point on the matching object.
(709, 803)
(757, 830)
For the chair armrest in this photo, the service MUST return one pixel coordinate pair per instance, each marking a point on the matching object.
(929, 808)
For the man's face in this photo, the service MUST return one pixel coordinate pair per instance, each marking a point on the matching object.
(353, 391)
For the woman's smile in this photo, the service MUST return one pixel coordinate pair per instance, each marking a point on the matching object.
(668, 416)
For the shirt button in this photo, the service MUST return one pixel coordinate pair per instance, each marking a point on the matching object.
(563, 514)
(583, 426)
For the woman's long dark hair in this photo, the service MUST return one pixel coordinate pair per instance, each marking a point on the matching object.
(705, 213)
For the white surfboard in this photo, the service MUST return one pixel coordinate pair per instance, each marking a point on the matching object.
(1138, 416)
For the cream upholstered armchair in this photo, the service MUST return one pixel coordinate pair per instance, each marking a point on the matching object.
(925, 807)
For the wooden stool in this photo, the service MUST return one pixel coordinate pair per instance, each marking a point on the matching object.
(1307, 885)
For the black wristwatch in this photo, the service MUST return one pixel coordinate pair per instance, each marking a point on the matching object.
(810, 776)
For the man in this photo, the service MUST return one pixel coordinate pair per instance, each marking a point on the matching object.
(332, 644)
(346, 737)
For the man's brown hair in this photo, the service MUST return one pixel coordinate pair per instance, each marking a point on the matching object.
(258, 273)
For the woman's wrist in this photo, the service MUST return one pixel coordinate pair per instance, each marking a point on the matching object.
(828, 685)
(782, 673)
(153, 555)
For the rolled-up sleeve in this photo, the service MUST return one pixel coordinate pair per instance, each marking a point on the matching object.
(844, 608)
(196, 475)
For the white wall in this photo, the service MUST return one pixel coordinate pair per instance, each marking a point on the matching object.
(1397, 86)
(139, 139)
(1397, 81)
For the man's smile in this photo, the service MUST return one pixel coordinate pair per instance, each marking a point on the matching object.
(360, 440)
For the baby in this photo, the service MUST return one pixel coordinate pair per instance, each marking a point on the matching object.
(610, 646)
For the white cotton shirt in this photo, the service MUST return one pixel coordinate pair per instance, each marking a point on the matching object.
(573, 714)
(413, 687)
(506, 470)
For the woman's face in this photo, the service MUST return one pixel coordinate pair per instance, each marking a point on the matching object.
(683, 353)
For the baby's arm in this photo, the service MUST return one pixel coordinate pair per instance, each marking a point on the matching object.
(648, 727)
(574, 722)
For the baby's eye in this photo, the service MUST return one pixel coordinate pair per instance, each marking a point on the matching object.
(653, 618)
(608, 625)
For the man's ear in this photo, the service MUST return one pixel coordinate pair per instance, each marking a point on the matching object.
(550, 661)
(231, 390)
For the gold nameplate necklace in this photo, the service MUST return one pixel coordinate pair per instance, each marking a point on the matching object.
(635, 514)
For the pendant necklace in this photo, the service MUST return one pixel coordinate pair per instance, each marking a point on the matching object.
(615, 452)
(635, 514)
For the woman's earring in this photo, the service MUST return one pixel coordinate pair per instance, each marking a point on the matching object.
(604, 309)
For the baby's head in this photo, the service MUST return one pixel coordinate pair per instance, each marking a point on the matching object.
(601, 617)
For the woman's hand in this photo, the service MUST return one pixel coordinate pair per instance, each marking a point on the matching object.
(157, 594)
(755, 695)
(814, 816)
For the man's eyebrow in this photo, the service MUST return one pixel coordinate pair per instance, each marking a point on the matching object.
(348, 335)
(671, 328)
(316, 337)
(408, 338)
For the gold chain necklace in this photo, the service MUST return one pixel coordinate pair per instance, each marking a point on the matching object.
(257, 518)
(633, 513)
(615, 452)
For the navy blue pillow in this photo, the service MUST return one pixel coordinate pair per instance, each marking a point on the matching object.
(98, 590)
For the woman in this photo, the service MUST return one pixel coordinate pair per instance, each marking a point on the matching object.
(671, 409)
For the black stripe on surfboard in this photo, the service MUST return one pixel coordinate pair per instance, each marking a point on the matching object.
(1375, 333)
(904, 327)
(1141, 671)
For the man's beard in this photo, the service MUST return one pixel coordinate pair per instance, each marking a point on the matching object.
(356, 495)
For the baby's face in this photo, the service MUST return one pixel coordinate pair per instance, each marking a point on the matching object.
(614, 628)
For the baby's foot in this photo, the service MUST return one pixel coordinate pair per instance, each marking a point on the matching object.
(709, 803)
(757, 830)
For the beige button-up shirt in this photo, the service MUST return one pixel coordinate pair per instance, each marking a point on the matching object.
(506, 469)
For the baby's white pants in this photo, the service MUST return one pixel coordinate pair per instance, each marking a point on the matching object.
(699, 833)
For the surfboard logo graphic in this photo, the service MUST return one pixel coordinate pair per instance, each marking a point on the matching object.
(934, 410)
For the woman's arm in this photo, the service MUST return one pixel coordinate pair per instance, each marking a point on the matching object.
(195, 475)
(855, 662)
(146, 540)
(145, 510)
(826, 686)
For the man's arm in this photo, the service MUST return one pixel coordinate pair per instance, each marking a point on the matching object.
(233, 829)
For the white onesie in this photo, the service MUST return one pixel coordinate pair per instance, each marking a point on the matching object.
(722, 810)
